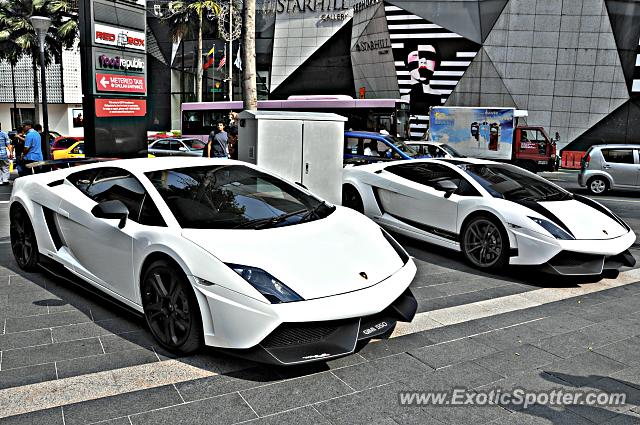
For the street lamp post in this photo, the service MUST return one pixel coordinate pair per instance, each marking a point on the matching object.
(41, 25)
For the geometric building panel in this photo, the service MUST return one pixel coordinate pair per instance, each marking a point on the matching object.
(559, 61)
(624, 16)
(326, 71)
(473, 19)
(443, 55)
(297, 36)
(490, 10)
(462, 17)
(618, 127)
(372, 60)
(481, 86)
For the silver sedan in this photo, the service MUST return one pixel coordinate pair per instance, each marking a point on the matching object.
(177, 147)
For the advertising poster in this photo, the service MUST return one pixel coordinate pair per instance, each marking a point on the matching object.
(474, 132)
(78, 120)
(430, 61)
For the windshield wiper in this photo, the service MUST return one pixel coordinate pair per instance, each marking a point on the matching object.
(259, 223)
(558, 196)
(313, 211)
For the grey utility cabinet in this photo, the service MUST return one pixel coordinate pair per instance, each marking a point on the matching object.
(302, 147)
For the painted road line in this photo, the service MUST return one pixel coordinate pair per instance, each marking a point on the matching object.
(478, 310)
(60, 392)
(633, 201)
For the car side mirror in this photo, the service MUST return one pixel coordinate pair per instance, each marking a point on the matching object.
(182, 149)
(112, 210)
(446, 186)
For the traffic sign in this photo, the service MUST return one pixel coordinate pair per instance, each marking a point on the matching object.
(121, 108)
(120, 83)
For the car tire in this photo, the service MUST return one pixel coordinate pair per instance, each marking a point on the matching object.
(352, 199)
(24, 244)
(598, 185)
(485, 243)
(171, 308)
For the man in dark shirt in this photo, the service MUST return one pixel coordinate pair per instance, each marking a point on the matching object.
(217, 139)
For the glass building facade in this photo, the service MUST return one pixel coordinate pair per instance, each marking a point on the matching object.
(570, 63)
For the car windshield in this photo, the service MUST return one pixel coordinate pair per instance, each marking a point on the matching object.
(64, 143)
(402, 146)
(513, 183)
(193, 144)
(451, 151)
(234, 196)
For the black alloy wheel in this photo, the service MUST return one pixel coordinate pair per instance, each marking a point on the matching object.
(23, 239)
(351, 198)
(171, 308)
(485, 243)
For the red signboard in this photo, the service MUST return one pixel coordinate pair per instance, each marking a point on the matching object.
(120, 83)
(121, 108)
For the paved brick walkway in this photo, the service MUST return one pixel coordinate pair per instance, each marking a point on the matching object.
(70, 357)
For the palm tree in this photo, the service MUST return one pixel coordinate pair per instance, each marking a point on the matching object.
(250, 92)
(10, 52)
(16, 27)
(187, 19)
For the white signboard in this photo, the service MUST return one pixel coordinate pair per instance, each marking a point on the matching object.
(119, 37)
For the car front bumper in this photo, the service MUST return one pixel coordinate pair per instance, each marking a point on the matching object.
(572, 257)
(235, 321)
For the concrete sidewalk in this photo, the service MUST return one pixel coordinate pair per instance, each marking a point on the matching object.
(69, 357)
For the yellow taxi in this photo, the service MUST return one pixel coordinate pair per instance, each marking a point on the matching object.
(74, 151)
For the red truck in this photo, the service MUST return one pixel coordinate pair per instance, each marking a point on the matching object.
(493, 133)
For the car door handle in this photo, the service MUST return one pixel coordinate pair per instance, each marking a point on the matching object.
(63, 213)
(606, 167)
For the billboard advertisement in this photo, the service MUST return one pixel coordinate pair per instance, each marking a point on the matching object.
(119, 37)
(474, 132)
(429, 59)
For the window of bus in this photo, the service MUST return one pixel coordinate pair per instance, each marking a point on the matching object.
(383, 122)
(192, 122)
(402, 124)
(212, 118)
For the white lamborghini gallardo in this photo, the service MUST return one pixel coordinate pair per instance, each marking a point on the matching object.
(217, 252)
(496, 214)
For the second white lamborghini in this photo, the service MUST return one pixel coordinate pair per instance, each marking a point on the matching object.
(496, 214)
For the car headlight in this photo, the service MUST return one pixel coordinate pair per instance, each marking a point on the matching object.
(399, 249)
(270, 287)
(556, 231)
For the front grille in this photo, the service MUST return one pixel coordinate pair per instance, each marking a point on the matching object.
(290, 334)
(568, 258)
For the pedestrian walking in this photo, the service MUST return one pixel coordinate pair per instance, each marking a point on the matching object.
(32, 146)
(217, 145)
(5, 155)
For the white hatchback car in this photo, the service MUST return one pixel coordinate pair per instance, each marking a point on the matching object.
(607, 167)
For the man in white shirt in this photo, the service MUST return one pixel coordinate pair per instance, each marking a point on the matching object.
(371, 149)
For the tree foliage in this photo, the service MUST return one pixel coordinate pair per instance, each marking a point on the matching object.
(186, 19)
(18, 38)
